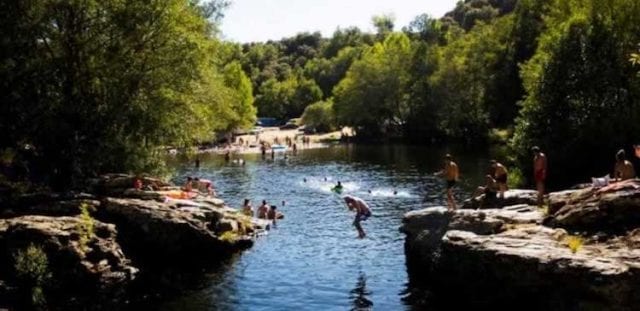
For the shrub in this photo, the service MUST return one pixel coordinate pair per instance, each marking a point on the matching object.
(32, 271)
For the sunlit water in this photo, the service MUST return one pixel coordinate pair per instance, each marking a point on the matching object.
(312, 260)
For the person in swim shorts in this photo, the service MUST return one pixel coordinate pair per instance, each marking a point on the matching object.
(539, 172)
(363, 212)
(451, 174)
(500, 175)
(205, 185)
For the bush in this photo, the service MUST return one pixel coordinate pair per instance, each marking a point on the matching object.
(86, 226)
(32, 271)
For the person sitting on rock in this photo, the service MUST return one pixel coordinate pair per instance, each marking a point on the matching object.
(246, 208)
(623, 169)
(188, 187)
(272, 214)
(500, 175)
(490, 191)
(263, 210)
(205, 185)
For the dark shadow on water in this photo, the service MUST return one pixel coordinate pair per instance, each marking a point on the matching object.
(358, 295)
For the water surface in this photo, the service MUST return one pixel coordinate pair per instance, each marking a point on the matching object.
(312, 260)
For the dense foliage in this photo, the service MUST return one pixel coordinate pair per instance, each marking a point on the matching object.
(556, 73)
(97, 86)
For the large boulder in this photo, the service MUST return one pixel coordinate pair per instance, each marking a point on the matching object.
(590, 210)
(166, 232)
(82, 254)
(426, 228)
(536, 261)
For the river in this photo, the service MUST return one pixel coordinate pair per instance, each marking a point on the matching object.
(312, 260)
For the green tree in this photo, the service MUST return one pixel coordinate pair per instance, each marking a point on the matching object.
(320, 116)
(582, 102)
(98, 86)
(373, 95)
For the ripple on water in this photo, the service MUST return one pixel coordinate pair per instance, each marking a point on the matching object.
(312, 260)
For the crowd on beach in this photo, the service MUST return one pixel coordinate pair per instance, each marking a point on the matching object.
(497, 177)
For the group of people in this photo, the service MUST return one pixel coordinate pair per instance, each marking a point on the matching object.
(496, 180)
(199, 184)
(264, 211)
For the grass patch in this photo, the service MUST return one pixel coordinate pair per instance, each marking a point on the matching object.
(515, 178)
(500, 136)
(229, 237)
(574, 243)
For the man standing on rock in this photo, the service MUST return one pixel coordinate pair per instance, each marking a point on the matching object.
(451, 174)
(500, 176)
(363, 212)
(539, 172)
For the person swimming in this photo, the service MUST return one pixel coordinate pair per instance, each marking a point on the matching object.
(337, 188)
(363, 212)
(263, 210)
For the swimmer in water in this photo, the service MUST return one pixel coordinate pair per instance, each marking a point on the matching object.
(338, 188)
(395, 192)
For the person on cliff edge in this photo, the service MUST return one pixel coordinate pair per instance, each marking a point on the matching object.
(539, 172)
(363, 212)
(451, 174)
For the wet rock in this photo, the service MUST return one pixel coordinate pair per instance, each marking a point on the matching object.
(511, 197)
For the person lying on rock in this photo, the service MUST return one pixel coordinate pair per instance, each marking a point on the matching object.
(363, 212)
(500, 175)
(490, 191)
(263, 210)
(623, 169)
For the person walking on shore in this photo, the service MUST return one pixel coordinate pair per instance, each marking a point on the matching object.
(451, 174)
(363, 212)
(539, 172)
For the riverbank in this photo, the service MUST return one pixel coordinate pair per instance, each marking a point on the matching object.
(579, 252)
(81, 249)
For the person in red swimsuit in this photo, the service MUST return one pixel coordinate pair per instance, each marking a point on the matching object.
(539, 172)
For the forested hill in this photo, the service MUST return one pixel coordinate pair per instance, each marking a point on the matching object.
(554, 73)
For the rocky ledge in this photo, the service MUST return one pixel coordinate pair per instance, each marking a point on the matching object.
(579, 252)
(63, 247)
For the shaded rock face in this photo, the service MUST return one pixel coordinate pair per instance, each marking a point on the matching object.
(164, 232)
(93, 265)
(498, 257)
(132, 232)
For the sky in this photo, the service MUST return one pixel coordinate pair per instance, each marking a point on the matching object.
(262, 20)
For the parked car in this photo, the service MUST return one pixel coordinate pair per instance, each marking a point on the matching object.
(256, 130)
(289, 126)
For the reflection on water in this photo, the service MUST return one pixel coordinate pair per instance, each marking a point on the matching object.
(360, 293)
(312, 259)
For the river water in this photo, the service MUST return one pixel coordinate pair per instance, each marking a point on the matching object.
(312, 260)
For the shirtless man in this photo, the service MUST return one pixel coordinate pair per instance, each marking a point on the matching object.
(500, 175)
(263, 210)
(489, 190)
(451, 174)
(362, 212)
(205, 185)
(623, 169)
(188, 186)
(539, 172)
(246, 208)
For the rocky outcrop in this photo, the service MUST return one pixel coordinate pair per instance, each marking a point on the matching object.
(97, 243)
(561, 254)
(79, 260)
